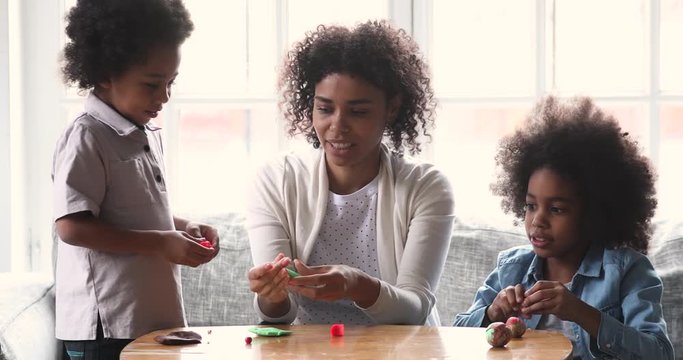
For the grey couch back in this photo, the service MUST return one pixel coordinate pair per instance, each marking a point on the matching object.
(217, 293)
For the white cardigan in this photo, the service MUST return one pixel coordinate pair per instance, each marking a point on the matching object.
(415, 214)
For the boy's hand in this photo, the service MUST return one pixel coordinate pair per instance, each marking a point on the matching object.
(507, 303)
(181, 248)
(207, 232)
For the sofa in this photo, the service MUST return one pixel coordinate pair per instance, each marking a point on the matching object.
(217, 293)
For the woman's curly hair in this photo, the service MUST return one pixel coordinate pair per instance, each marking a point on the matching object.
(587, 147)
(107, 37)
(374, 51)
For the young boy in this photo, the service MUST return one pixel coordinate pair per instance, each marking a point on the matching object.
(117, 273)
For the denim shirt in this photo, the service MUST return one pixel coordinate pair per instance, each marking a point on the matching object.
(621, 283)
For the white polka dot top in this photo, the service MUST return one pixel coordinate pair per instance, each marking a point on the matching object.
(347, 236)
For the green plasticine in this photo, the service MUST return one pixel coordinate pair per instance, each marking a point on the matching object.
(269, 331)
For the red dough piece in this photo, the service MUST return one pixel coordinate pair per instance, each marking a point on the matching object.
(206, 243)
(248, 340)
(337, 330)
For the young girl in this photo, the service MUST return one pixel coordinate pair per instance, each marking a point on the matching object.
(586, 196)
(368, 227)
(117, 275)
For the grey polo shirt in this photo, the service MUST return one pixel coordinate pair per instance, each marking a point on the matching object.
(105, 164)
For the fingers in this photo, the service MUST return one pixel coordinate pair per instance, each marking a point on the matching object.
(193, 229)
(197, 251)
(507, 303)
(311, 281)
(544, 298)
(279, 257)
(301, 268)
(317, 289)
(198, 232)
(511, 299)
(511, 303)
(519, 293)
(540, 285)
(276, 289)
(269, 268)
(270, 279)
(210, 234)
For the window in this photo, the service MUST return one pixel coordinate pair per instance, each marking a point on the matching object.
(490, 61)
(621, 53)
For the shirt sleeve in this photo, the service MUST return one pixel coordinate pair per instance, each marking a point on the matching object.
(79, 180)
(412, 298)
(643, 332)
(267, 234)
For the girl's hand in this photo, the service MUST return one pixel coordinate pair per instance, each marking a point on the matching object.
(182, 248)
(269, 280)
(205, 231)
(334, 282)
(507, 303)
(551, 297)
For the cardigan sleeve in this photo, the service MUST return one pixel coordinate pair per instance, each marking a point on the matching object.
(267, 233)
(429, 214)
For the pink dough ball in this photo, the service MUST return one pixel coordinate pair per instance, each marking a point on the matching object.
(516, 326)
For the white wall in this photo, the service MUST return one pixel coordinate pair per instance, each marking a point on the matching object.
(5, 190)
(40, 111)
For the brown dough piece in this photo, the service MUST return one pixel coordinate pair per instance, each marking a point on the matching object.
(179, 338)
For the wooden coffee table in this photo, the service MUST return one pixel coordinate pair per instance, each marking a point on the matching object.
(359, 342)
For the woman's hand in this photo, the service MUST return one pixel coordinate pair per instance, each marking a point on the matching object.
(269, 280)
(334, 282)
(507, 303)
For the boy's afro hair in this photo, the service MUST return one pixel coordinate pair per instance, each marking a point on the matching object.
(106, 37)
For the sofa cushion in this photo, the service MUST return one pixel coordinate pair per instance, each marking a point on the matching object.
(217, 293)
(471, 258)
(27, 320)
(666, 254)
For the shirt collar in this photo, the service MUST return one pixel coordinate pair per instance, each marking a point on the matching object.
(535, 272)
(591, 265)
(110, 117)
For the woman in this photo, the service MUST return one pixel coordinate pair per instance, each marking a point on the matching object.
(368, 228)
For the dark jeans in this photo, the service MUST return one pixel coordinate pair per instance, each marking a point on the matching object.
(99, 349)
